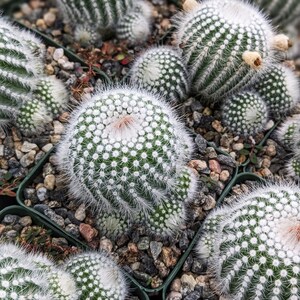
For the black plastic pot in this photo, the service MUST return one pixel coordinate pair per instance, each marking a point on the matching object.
(56, 232)
(240, 178)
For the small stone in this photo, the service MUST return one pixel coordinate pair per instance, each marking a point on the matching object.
(58, 54)
(9, 219)
(174, 296)
(41, 24)
(49, 182)
(214, 176)
(54, 204)
(58, 127)
(195, 295)
(28, 159)
(49, 70)
(19, 154)
(54, 139)
(155, 249)
(198, 164)
(49, 18)
(209, 203)
(211, 153)
(25, 221)
(135, 266)
(176, 285)
(132, 247)
(224, 175)
(54, 217)
(214, 166)
(27, 147)
(201, 143)
(106, 245)
(73, 230)
(207, 111)
(168, 257)
(1, 150)
(87, 232)
(60, 241)
(41, 208)
(80, 213)
(216, 125)
(266, 163)
(11, 234)
(141, 276)
(41, 193)
(238, 146)
(188, 280)
(271, 150)
(265, 172)
(2, 228)
(144, 243)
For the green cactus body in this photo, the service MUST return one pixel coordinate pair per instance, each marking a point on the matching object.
(245, 113)
(122, 151)
(225, 45)
(161, 70)
(293, 167)
(279, 88)
(287, 131)
(281, 12)
(256, 245)
(97, 276)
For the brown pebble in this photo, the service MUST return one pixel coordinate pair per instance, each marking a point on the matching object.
(214, 166)
(224, 175)
(87, 232)
(210, 203)
(197, 164)
(271, 150)
(168, 257)
(217, 126)
(40, 23)
(132, 247)
(176, 285)
(2, 227)
(49, 18)
(265, 172)
(49, 70)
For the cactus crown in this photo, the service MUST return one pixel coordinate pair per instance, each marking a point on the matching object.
(287, 132)
(245, 113)
(161, 70)
(135, 142)
(256, 244)
(97, 276)
(225, 44)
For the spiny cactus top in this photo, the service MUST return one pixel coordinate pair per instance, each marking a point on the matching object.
(122, 150)
(287, 132)
(256, 245)
(161, 70)
(279, 87)
(32, 276)
(245, 113)
(281, 12)
(97, 276)
(225, 44)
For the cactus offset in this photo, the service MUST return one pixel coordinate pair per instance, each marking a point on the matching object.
(122, 151)
(256, 245)
(97, 276)
(288, 130)
(225, 45)
(161, 70)
(245, 113)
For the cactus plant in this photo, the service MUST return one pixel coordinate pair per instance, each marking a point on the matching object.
(256, 245)
(122, 151)
(225, 45)
(245, 113)
(135, 27)
(279, 87)
(161, 70)
(293, 167)
(89, 18)
(287, 131)
(32, 276)
(281, 12)
(97, 276)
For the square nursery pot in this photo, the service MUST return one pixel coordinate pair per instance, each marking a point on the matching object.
(149, 291)
(240, 178)
(56, 232)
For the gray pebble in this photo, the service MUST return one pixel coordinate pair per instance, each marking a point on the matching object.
(144, 243)
(25, 221)
(201, 143)
(42, 193)
(11, 234)
(54, 217)
(195, 295)
(73, 229)
(60, 241)
(226, 160)
(155, 249)
(28, 159)
(197, 266)
(141, 276)
(62, 212)
(10, 219)
(40, 207)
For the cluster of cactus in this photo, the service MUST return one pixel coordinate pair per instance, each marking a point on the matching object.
(125, 154)
(91, 19)
(27, 97)
(90, 275)
(252, 246)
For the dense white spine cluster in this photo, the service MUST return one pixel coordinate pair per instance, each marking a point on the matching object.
(254, 248)
(245, 113)
(281, 12)
(161, 70)
(89, 17)
(225, 45)
(293, 167)
(122, 151)
(97, 276)
(32, 276)
(279, 87)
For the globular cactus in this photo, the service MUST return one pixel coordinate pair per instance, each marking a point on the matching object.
(32, 276)
(280, 12)
(93, 16)
(279, 87)
(97, 276)
(135, 26)
(225, 44)
(245, 113)
(255, 253)
(286, 133)
(161, 70)
(123, 150)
